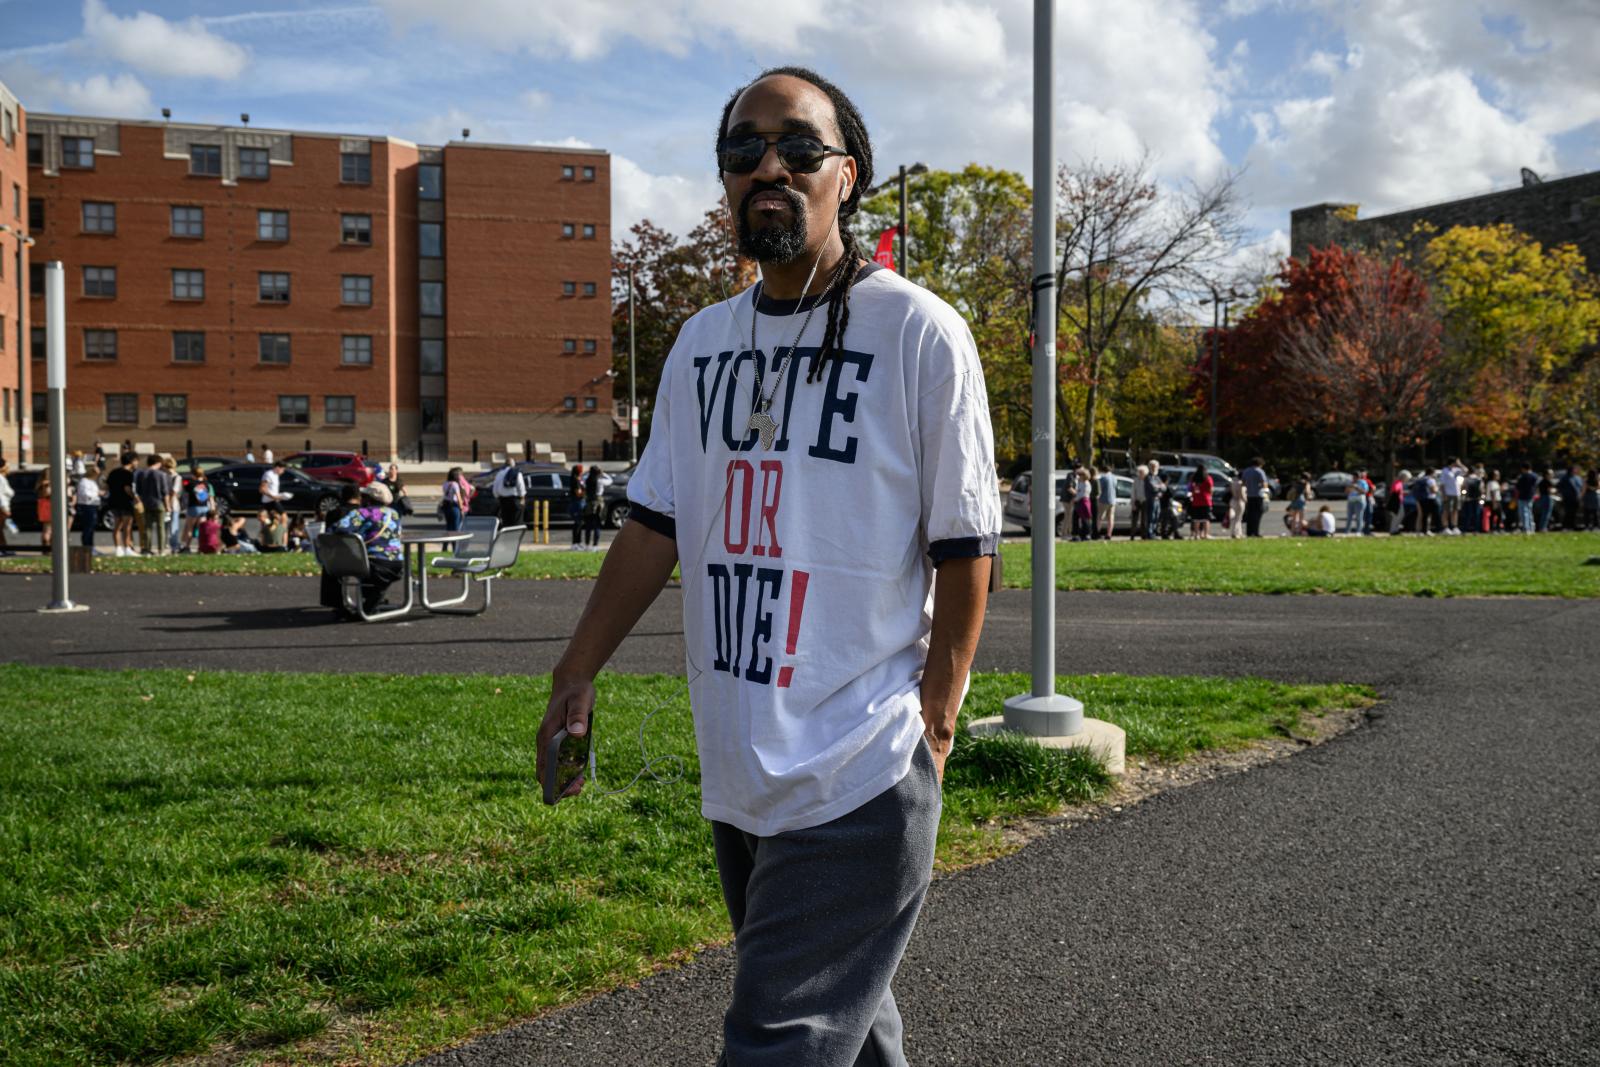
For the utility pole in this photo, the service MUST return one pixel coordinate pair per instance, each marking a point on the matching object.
(633, 380)
(1051, 718)
(55, 318)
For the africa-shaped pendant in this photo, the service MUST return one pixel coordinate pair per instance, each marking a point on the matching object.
(762, 422)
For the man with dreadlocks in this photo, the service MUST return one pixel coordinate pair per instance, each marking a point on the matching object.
(810, 474)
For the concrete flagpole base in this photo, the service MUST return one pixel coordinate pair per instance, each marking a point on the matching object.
(64, 608)
(1058, 721)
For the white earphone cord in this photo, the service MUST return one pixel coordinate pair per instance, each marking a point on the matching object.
(644, 754)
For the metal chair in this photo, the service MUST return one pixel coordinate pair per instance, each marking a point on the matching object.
(475, 549)
(344, 557)
(483, 569)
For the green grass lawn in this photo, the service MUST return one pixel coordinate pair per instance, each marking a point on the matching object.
(310, 868)
(1544, 565)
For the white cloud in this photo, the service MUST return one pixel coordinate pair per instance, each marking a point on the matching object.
(123, 96)
(1430, 101)
(152, 44)
(671, 201)
(534, 100)
(591, 29)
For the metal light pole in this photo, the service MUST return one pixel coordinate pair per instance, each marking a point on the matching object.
(55, 318)
(1053, 719)
(633, 380)
(1218, 323)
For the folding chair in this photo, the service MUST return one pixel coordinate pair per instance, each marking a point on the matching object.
(344, 557)
(485, 569)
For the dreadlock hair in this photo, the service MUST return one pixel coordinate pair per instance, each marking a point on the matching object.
(854, 131)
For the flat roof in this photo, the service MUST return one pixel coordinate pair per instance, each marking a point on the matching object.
(45, 116)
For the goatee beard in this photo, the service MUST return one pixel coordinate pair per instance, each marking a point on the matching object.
(775, 243)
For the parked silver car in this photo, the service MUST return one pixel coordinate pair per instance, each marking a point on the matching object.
(1019, 502)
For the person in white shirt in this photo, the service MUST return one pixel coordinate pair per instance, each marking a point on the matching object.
(7, 524)
(1450, 495)
(820, 446)
(272, 494)
(266, 454)
(509, 490)
(88, 505)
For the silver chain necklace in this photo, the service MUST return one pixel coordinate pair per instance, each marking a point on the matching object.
(761, 419)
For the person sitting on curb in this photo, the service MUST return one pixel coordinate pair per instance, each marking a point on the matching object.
(209, 532)
(1324, 525)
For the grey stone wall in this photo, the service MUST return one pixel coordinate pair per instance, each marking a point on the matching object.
(1561, 211)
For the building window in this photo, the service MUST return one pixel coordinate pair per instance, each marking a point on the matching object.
(339, 410)
(569, 288)
(188, 285)
(6, 403)
(16, 201)
(273, 287)
(172, 409)
(41, 409)
(272, 225)
(122, 407)
(568, 229)
(38, 340)
(431, 357)
(432, 409)
(570, 345)
(355, 229)
(35, 149)
(430, 181)
(99, 217)
(590, 346)
(10, 133)
(253, 164)
(36, 280)
(100, 344)
(569, 403)
(432, 299)
(77, 153)
(355, 167)
(568, 172)
(588, 289)
(590, 403)
(430, 240)
(588, 174)
(356, 350)
(273, 348)
(205, 160)
(294, 410)
(35, 214)
(188, 221)
(588, 231)
(356, 289)
(98, 281)
(188, 346)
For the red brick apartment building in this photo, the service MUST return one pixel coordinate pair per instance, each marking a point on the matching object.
(15, 373)
(232, 283)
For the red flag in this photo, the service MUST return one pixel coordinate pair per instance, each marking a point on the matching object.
(884, 256)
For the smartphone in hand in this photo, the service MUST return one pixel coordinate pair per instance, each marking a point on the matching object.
(567, 759)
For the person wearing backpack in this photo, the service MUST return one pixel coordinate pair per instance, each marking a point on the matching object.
(594, 505)
(196, 503)
(575, 505)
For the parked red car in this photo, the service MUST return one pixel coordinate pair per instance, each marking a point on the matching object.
(332, 466)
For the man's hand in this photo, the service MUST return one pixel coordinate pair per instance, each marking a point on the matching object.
(571, 707)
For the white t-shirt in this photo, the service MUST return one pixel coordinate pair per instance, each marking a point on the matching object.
(88, 492)
(1449, 482)
(808, 568)
(1326, 520)
(269, 487)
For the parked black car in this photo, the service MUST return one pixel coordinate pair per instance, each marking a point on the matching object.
(238, 488)
(545, 481)
(1177, 479)
(25, 501)
(548, 481)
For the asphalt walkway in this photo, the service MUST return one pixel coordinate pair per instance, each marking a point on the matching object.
(1425, 890)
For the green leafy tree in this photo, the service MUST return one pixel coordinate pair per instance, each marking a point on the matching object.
(1515, 315)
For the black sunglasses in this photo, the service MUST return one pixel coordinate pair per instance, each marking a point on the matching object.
(797, 153)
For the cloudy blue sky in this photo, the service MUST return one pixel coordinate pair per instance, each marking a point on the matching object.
(1381, 102)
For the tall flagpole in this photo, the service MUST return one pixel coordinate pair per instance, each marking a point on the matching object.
(55, 321)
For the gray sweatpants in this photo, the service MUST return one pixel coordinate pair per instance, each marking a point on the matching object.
(821, 917)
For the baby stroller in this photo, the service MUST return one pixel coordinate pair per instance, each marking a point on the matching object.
(1169, 523)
